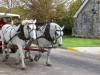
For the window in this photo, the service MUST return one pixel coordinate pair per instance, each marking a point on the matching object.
(84, 20)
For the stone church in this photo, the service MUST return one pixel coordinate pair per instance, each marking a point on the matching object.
(87, 20)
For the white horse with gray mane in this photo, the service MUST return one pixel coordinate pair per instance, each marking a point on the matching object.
(18, 35)
(47, 36)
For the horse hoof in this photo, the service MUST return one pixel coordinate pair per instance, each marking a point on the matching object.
(36, 58)
(50, 65)
(7, 56)
(16, 63)
(23, 68)
(4, 60)
(26, 57)
(31, 59)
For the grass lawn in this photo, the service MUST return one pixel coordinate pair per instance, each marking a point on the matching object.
(69, 41)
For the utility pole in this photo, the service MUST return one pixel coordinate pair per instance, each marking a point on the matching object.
(11, 6)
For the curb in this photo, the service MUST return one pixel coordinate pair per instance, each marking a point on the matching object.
(77, 50)
(73, 49)
(98, 54)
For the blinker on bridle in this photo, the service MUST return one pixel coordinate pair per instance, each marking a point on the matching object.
(57, 34)
(30, 30)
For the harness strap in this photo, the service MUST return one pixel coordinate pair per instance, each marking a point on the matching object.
(6, 29)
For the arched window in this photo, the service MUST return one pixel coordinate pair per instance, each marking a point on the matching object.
(84, 20)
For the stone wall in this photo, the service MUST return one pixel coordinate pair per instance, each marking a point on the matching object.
(87, 24)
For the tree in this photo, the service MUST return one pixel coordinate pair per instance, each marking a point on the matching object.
(3, 9)
(61, 13)
(9, 4)
(70, 13)
(21, 11)
(41, 10)
(73, 8)
(45, 9)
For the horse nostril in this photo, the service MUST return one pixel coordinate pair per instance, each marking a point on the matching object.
(59, 45)
(34, 38)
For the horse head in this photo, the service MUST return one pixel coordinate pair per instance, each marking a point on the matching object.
(57, 33)
(29, 28)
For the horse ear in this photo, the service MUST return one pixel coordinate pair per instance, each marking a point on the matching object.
(62, 27)
(34, 21)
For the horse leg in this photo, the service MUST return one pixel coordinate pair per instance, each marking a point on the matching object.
(48, 63)
(3, 49)
(7, 51)
(30, 56)
(37, 56)
(17, 59)
(21, 56)
(26, 55)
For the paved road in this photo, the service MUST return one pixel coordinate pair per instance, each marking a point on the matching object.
(64, 63)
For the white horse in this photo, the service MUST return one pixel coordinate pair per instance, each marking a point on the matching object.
(47, 36)
(18, 35)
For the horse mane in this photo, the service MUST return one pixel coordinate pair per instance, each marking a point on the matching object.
(53, 23)
(24, 22)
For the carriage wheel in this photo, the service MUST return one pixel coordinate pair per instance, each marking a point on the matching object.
(13, 50)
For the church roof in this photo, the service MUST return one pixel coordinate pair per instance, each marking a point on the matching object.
(81, 7)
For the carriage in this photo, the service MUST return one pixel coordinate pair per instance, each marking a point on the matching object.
(8, 18)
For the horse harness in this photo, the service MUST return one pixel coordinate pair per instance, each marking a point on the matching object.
(47, 36)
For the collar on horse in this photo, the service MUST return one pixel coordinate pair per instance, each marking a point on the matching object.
(47, 33)
(21, 33)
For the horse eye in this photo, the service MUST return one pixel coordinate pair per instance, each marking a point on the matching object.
(56, 33)
(28, 27)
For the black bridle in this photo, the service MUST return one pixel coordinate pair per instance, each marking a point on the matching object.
(30, 30)
(57, 34)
